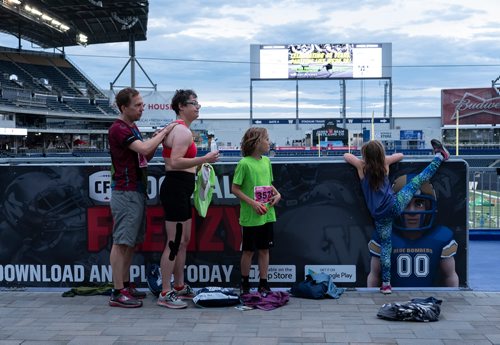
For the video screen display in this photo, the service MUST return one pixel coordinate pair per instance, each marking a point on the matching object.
(321, 61)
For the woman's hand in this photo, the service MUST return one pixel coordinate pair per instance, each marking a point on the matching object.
(211, 157)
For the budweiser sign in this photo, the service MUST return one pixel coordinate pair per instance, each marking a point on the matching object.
(473, 106)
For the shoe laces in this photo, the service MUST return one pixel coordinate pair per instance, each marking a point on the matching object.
(171, 295)
(132, 287)
(125, 292)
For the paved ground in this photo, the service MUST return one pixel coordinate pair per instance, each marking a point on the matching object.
(46, 318)
(467, 317)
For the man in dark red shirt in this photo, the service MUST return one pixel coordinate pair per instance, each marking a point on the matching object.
(129, 160)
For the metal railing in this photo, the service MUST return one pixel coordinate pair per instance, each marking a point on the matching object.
(484, 198)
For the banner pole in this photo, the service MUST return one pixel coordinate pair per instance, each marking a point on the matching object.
(457, 114)
(319, 145)
(373, 125)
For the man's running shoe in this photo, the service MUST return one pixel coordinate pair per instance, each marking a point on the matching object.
(132, 289)
(185, 292)
(386, 289)
(170, 300)
(439, 148)
(124, 300)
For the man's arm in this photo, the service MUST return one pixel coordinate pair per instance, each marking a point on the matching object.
(450, 276)
(148, 147)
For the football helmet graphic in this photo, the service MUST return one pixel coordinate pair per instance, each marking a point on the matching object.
(427, 216)
(42, 207)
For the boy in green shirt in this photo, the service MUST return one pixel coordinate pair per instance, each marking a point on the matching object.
(252, 184)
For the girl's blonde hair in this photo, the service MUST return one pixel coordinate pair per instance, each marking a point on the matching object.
(252, 137)
(373, 153)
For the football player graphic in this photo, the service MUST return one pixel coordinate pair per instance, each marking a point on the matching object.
(44, 219)
(422, 252)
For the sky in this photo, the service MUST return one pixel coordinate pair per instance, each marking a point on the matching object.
(205, 45)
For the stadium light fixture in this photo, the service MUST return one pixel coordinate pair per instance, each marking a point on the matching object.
(47, 17)
(33, 10)
(36, 15)
(82, 39)
(96, 3)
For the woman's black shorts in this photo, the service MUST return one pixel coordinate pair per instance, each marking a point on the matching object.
(175, 195)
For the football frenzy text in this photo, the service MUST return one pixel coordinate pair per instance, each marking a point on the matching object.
(203, 231)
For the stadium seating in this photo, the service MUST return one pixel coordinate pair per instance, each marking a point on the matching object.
(48, 81)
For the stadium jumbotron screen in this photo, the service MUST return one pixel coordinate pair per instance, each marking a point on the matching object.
(321, 61)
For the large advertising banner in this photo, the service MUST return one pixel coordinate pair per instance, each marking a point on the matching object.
(473, 106)
(157, 109)
(56, 226)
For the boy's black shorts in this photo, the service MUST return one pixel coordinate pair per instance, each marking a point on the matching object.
(258, 237)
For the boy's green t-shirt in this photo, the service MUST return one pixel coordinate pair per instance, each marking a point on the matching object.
(251, 173)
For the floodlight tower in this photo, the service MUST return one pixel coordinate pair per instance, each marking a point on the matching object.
(132, 61)
(495, 84)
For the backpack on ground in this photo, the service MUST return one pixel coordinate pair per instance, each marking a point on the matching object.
(418, 309)
(214, 296)
(316, 286)
(153, 278)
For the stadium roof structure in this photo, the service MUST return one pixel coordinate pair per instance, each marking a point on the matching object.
(63, 23)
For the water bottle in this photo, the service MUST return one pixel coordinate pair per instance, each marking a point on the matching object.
(213, 146)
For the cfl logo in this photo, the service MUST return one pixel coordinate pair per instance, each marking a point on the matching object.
(100, 186)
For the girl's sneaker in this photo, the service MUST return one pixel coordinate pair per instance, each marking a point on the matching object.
(439, 148)
(386, 288)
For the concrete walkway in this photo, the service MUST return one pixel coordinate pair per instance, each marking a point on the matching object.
(467, 317)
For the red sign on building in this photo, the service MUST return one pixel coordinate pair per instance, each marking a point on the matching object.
(475, 106)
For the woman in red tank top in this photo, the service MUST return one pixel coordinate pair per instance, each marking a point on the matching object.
(179, 153)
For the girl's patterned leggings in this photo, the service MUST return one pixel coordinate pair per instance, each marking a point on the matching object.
(402, 199)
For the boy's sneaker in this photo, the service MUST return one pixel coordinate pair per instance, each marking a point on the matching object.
(439, 148)
(386, 288)
(132, 290)
(264, 290)
(170, 300)
(244, 289)
(185, 292)
(124, 300)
